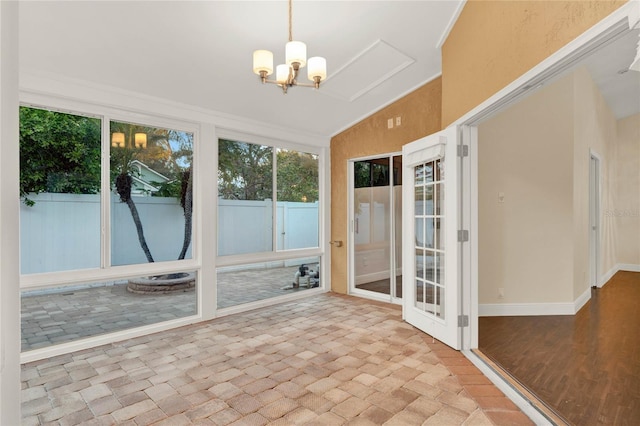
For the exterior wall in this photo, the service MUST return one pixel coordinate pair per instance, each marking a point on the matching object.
(494, 42)
(595, 130)
(526, 241)
(420, 114)
(625, 211)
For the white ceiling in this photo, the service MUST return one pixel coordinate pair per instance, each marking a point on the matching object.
(200, 53)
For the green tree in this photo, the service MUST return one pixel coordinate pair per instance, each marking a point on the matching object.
(244, 171)
(59, 153)
(297, 176)
(159, 155)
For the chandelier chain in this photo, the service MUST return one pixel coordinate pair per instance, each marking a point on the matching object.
(290, 22)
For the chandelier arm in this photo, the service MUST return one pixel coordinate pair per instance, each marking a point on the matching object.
(290, 21)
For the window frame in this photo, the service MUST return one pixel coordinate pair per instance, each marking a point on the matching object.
(106, 271)
(275, 254)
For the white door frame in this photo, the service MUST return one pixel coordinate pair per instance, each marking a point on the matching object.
(595, 167)
(612, 27)
(393, 267)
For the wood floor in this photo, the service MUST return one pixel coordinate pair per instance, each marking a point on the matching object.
(585, 367)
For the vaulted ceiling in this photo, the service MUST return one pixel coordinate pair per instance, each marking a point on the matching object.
(199, 53)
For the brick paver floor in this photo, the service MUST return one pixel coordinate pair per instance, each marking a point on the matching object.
(70, 313)
(327, 360)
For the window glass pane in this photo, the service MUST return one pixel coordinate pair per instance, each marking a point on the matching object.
(151, 199)
(297, 199)
(362, 174)
(242, 284)
(64, 314)
(60, 190)
(245, 198)
(380, 172)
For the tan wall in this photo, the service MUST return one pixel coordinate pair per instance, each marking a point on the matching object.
(495, 42)
(595, 130)
(421, 115)
(491, 44)
(625, 210)
(526, 242)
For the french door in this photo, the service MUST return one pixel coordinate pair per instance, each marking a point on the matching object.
(431, 268)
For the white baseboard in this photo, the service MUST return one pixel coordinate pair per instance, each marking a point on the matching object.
(581, 300)
(628, 267)
(525, 309)
(539, 309)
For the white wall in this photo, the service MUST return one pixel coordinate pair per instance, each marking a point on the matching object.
(535, 245)
(9, 219)
(625, 211)
(595, 131)
(526, 242)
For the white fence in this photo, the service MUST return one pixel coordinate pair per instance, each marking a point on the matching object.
(62, 231)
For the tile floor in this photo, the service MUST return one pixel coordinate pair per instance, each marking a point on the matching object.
(327, 360)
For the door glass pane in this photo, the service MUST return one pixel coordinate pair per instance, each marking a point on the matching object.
(429, 207)
(245, 198)
(429, 237)
(297, 200)
(60, 189)
(151, 201)
(372, 227)
(397, 199)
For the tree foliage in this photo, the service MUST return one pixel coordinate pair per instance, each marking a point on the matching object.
(245, 172)
(58, 153)
(297, 176)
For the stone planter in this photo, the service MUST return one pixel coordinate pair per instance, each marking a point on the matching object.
(170, 283)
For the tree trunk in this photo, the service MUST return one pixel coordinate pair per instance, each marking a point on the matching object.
(188, 215)
(138, 223)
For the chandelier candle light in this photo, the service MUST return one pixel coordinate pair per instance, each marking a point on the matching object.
(296, 58)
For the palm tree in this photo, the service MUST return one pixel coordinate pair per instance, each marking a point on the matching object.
(160, 155)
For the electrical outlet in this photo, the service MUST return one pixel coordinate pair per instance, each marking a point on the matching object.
(398, 121)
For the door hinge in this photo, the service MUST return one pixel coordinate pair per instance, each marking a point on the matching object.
(463, 320)
(463, 236)
(463, 150)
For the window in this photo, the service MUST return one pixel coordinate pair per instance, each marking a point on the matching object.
(60, 190)
(151, 201)
(67, 191)
(268, 205)
(248, 208)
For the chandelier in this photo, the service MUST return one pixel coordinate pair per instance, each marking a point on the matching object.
(295, 58)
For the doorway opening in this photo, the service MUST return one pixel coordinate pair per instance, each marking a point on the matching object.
(375, 217)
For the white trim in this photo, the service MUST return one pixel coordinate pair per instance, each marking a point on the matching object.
(606, 277)
(35, 85)
(516, 397)
(582, 300)
(628, 267)
(601, 33)
(525, 309)
(383, 106)
(452, 22)
(559, 308)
